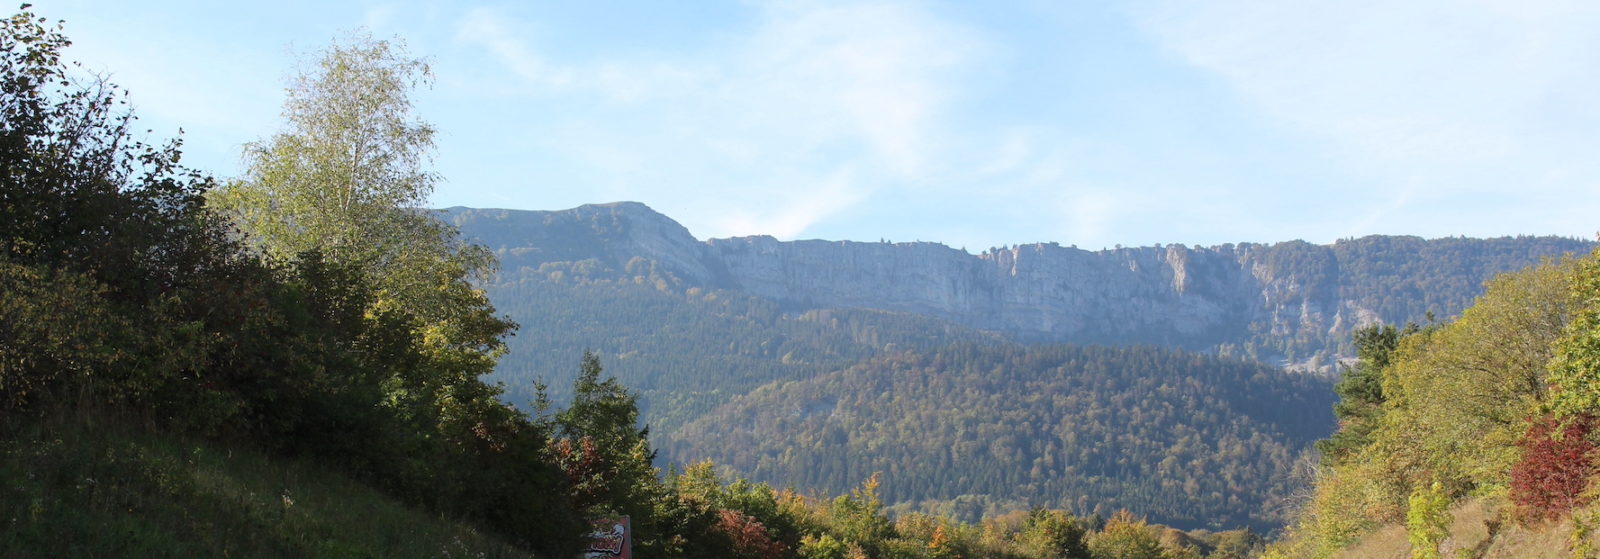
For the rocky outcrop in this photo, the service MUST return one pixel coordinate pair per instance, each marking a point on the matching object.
(1170, 296)
(1293, 301)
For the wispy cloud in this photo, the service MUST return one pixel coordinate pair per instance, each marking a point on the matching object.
(812, 103)
(791, 215)
(490, 29)
(1431, 97)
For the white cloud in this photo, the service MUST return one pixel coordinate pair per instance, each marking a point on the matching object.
(1433, 97)
(488, 28)
(814, 104)
(791, 215)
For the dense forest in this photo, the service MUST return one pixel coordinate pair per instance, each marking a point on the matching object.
(688, 352)
(705, 361)
(969, 430)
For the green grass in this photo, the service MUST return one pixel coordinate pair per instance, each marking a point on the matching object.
(75, 487)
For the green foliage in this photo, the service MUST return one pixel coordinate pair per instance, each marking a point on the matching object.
(1126, 537)
(1581, 542)
(688, 352)
(824, 546)
(346, 177)
(91, 486)
(343, 181)
(1460, 397)
(859, 515)
(79, 191)
(1427, 520)
(1575, 368)
(1403, 279)
(1361, 392)
(1053, 533)
(605, 455)
(754, 519)
(1455, 399)
(1191, 440)
(1237, 544)
(55, 334)
(123, 294)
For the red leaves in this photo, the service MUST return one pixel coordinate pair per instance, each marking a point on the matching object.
(749, 536)
(585, 468)
(1555, 469)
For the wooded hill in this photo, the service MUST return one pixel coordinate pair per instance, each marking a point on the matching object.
(707, 345)
(976, 430)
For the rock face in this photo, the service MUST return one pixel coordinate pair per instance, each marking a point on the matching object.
(1293, 302)
(1045, 292)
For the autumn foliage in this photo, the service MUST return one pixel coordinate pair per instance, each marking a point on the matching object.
(1557, 462)
(748, 535)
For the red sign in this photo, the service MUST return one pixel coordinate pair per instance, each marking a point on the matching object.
(612, 539)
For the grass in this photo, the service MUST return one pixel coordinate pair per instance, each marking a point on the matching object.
(1471, 537)
(77, 487)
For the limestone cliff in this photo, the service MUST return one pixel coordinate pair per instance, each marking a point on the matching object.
(1292, 302)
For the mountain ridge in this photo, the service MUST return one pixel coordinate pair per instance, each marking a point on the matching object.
(1292, 303)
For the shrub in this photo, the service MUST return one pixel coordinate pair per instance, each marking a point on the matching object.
(1427, 520)
(1557, 462)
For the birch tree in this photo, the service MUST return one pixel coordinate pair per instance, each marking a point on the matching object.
(347, 176)
(345, 180)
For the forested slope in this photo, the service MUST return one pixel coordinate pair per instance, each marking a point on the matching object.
(1492, 413)
(688, 352)
(1190, 440)
(681, 322)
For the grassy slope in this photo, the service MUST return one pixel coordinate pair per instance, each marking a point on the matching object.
(1470, 536)
(80, 488)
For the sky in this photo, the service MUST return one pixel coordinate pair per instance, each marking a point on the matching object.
(973, 124)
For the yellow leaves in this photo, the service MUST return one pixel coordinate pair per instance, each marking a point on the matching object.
(1575, 367)
(1457, 397)
(1427, 520)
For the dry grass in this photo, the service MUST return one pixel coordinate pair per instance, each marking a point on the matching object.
(1476, 533)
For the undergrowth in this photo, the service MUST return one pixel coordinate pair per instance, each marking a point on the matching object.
(97, 487)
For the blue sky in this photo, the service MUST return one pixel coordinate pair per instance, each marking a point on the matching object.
(972, 124)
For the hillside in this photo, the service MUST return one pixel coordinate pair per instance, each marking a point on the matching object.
(1192, 441)
(1475, 436)
(708, 332)
(1476, 529)
(688, 352)
(96, 487)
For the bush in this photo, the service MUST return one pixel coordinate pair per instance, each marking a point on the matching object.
(1427, 520)
(54, 334)
(1557, 463)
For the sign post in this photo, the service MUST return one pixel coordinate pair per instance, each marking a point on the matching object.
(612, 539)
